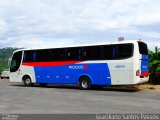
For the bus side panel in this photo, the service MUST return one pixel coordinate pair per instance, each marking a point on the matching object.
(121, 72)
(23, 70)
(69, 74)
(27, 70)
(99, 73)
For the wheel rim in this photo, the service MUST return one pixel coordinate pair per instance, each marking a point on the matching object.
(85, 84)
(27, 81)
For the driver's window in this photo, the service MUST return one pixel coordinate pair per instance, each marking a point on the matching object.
(13, 64)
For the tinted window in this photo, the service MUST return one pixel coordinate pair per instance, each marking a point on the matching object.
(124, 51)
(16, 61)
(57, 54)
(109, 52)
(143, 48)
(74, 53)
(42, 55)
(28, 56)
(92, 53)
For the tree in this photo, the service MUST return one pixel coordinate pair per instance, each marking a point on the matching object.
(154, 66)
(5, 54)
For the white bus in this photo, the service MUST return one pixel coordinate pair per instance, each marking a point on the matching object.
(119, 63)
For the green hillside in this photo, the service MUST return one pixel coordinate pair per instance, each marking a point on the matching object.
(5, 54)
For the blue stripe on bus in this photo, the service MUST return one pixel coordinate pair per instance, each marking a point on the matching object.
(69, 74)
(144, 64)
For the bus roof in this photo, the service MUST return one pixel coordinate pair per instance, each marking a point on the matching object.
(94, 44)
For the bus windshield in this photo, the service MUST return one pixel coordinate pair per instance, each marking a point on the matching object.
(16, 61)
(143, 48)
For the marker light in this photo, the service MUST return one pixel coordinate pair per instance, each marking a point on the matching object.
(138, 73)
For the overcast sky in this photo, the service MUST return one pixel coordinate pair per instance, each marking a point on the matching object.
(51, 23)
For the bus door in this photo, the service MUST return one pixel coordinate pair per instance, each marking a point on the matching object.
(14, 67)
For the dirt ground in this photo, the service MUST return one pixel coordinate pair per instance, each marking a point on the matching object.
(148, 87)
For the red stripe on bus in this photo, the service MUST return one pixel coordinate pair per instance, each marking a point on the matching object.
(61, 63)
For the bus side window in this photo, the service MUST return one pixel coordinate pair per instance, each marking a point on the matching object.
(87, 53)
(109, 52)
(124, 51)
(28, 56)
(57, 54)
(97, 52)
(92, 53)
(24, 56)
(42, 55)
(80, 53)
(34, 56)
(73, 53)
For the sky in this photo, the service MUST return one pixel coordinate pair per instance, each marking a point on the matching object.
(52, 23)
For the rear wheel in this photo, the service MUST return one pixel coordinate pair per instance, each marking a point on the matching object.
(27, 81)
(85, 83)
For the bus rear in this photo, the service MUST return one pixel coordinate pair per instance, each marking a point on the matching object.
(142, 71)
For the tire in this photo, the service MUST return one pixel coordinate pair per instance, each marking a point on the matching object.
(1, 77)
(27, 81)
(84, 83)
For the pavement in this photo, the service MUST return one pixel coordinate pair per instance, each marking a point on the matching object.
(63, 99)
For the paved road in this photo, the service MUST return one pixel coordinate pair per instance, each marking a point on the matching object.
(16, 98)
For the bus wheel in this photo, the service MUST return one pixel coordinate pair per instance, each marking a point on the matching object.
(85, 83)
(27, 81)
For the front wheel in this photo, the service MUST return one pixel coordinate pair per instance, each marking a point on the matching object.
(27, 81)
(85, 83)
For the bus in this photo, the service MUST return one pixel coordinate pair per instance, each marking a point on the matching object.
(116, 63)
